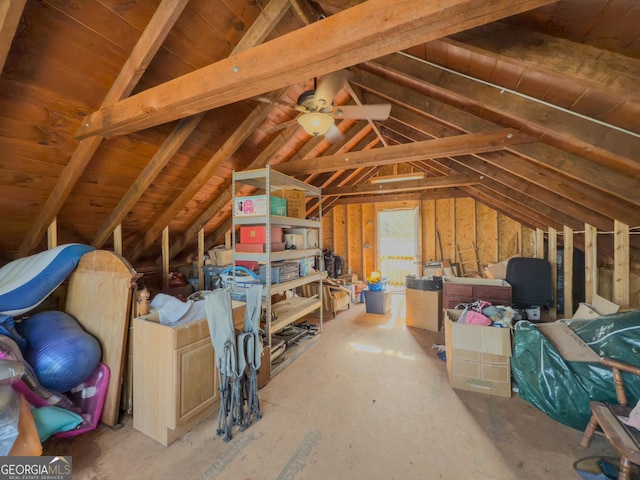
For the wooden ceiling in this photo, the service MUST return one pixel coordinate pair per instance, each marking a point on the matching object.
(131, 116)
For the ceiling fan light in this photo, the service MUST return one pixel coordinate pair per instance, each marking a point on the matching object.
(315, 123)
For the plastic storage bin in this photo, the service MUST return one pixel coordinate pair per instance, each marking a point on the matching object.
(377, 302)
(378, 287)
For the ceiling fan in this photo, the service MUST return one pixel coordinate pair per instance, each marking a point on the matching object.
(318, 112)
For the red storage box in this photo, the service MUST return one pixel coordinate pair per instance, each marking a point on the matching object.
(257, 234)
(258, 247)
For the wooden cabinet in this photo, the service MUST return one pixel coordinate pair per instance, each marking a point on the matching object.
(457, 290)
(424, 309)
(175, 381)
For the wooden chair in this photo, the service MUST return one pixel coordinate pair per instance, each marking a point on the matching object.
(606, 416)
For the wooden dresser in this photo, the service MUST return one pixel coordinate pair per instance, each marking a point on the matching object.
(175, 380)
(457, 290)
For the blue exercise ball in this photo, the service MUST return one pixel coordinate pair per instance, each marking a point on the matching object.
(60, 351)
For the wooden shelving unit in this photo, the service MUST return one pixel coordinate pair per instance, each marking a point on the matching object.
(292, 309)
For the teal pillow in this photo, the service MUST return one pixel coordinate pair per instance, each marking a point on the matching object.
(51, 420)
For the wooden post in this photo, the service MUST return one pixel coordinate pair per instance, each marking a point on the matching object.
(539, 243)
(553, 260)
(590, 263)
(143, 302)
(52, 234)
(621, 264)
(200, 259)
(568, 272)
(117, 239)
(165, 259)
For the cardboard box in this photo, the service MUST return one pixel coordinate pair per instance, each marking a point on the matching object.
(296, 202)
(221, 256)
(567, 342)
(349, 277)
(310, 237)
(497, 270)
(424, 309)
(257, 205)
(478, 357)
(601, 306)
(258, 247)
(258, 234)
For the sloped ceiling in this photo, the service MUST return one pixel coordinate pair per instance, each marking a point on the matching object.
(133, 115)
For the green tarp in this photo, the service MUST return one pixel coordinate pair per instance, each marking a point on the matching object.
(564, 389)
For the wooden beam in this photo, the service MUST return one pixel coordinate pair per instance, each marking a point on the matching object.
(568, 272)
(562, 129)
(165, 153)
(553, 260)
(200, 259)
(621, 265)
(599, 70)
(52, 234)
(551, 199)
(258, 31)
(590, 263)
(405, 186)
(539, 243)
(431, 195)
(587, 178)
(232, 143)
(117, 239)
(359, 33)
(10, 13)
(156, 31)
(165, 260)
(439, 147)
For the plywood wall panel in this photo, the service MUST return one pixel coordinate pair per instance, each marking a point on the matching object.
(340, 244)
(528, 242)
(445, 228)
(465, 224)
(428, 217)
(353, 262)
(487, 234)
(368, 240)
(509, 237)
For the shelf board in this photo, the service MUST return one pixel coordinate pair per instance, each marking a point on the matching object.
(276, 221)
(277, 180)
(294, 351)
(276, 256)
(281, 287)
(292, 309)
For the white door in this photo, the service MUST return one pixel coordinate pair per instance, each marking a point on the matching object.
(398, 245)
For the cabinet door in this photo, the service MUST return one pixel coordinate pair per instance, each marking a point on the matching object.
(197, 379)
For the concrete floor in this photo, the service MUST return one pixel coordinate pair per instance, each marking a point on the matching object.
(371, 400)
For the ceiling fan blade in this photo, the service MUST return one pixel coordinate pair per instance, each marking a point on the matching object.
(366, 112)
(328, 86)
(334, 134)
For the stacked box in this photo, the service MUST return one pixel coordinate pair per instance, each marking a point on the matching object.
(281, 272)
(478, 356)
(257, 205)
(258, 234)
(221, 256)
(296, 202)
(258, 247)
(310, 237)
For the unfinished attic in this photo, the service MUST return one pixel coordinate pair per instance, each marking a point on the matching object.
(360, 191)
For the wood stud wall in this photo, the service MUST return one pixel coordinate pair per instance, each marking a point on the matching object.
(350, 230)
